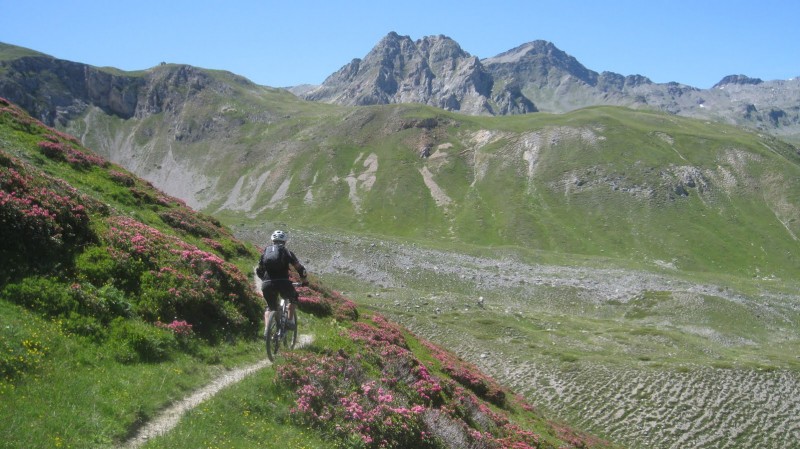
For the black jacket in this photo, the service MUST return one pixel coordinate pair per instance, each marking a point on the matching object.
(275, 267)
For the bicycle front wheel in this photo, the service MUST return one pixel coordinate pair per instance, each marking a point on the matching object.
(271, 339)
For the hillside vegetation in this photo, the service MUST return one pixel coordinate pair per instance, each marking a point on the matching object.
(632, 272)
(649, 359)
(639, 186)
(117, 299)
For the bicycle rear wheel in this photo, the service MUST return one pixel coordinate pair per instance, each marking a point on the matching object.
(271, 339)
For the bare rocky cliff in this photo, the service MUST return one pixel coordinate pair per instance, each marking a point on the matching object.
(53, 90)
(57, 91)
(433, 70)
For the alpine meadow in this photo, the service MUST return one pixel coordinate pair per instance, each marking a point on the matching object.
(510, 271)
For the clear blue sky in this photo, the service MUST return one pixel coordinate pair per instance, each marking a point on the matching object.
(290, 42)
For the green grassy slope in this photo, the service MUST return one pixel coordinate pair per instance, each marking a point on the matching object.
(612, 182)
(553, 204)
(8, 52)
(641, 187)
(117, 300)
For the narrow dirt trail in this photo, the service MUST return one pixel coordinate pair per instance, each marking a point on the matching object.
(169, 417)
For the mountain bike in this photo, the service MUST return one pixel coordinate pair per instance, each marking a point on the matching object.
(278, 333)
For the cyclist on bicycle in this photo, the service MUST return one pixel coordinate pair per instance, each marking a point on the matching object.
(273, 269)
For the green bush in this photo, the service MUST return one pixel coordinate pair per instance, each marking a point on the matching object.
(96, 265)
(119, 268)
(104, 303)
(83, 325)
(136, 341)
(42, 295)
(83, 308)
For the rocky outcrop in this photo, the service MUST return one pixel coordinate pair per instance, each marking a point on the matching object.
(433, 70)
(56, 90)
(738, 79)
(539, 63)
(167, 88)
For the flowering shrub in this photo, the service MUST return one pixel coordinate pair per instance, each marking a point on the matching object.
(41, 219)
(213, 244)
(166, 200)
(177, 327)
(56, 134)
(327, 303)
(427, 386)
(333, 394)
(129, 239)
(343, 308)
(143, 196)
(30, 203)
(228, 246)
(180, 329)
(17, 118)
(123, 179)
(381, 332)
(469, 376)
(179, 281)
(401, 405)
(146, 275)
(575, 438)
(191, 222)
(314, 304)
(143, 191)
(56, 149)
(57, 145)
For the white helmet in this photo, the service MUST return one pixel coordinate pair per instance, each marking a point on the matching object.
(279, 236)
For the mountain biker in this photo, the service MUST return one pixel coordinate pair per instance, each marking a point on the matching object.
(273, 269)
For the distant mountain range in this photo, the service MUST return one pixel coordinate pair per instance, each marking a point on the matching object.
(436, 71)
(232, 148)
(537, 76)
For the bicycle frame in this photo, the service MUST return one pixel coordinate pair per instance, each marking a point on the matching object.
(277, 333)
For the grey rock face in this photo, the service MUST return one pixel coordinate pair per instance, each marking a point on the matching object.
(433, 70)
(55, 90)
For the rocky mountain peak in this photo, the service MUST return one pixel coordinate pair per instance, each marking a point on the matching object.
(534, 76)
(738, 79)
(440, 47)
(433, 70)
(528, 50)
(541, 60)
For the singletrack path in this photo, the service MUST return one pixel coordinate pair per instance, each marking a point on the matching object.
(169, 417)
